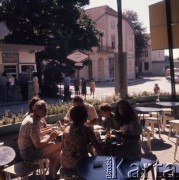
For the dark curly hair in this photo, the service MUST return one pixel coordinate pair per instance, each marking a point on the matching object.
(79, 115)
(128, 115)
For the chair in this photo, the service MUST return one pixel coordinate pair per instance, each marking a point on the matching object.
(174, 125)
(21, 169)
(152, 121)
(147, 133)
(176, 145)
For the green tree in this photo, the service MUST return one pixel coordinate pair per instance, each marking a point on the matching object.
(141, 38)
(54, 24)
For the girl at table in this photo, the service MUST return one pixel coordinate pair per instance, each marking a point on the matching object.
(77, 138)
(130, 131)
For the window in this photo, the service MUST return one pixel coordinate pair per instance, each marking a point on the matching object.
(113, 42)
(112, 24)
(10, 69)
(27, 69)
(146, 66)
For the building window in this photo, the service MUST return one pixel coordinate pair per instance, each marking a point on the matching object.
(27, 69)
(146, 66)
(113, 42)
(112, 24)
(131, 44)
(10, 69)
(111, 67)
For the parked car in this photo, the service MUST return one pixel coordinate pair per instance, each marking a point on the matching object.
(176, 75)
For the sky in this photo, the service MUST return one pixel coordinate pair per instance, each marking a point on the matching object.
(141, 7)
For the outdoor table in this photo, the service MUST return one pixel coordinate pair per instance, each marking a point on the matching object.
(144, 110)
(108, 167)
(7, 154)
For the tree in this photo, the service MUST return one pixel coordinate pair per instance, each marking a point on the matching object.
(141, 38)
(61, 26)
(52, 23)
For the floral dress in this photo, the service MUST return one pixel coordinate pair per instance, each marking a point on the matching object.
(75, 143)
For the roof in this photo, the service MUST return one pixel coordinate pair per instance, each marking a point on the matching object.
(97, 12)
(20, 47)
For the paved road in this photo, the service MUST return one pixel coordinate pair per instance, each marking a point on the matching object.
(103, 89)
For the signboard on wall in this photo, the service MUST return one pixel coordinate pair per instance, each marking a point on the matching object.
(8, 57)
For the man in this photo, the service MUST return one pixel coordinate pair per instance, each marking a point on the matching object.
(23, 79)
(92, 114)
(34, 144)
(67, 81)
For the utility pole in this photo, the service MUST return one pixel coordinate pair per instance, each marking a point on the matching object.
(120, 73)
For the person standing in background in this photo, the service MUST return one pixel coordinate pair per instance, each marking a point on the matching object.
(35, 84)
(11, 81)
(156, 89)
(67, 82)
(92, 87)
(4, 86)
(23, 79)
(83, 87)
(76, 87)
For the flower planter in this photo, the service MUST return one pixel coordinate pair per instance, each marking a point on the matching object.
(54, 118)
(146, 98)
(9, 128)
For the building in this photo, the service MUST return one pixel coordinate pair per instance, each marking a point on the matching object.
(15, 58)
(102, 57)
(152, 62)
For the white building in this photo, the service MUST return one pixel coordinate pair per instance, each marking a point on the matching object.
(102, 57)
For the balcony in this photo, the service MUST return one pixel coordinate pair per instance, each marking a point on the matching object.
(105, 49)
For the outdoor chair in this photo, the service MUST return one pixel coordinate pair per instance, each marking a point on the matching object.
(147, 133)
(176, 145)
(21, 170)
(174, 125)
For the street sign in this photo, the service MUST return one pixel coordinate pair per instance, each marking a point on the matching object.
(77, 56)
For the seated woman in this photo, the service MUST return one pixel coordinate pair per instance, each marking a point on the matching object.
(130, 131)
(33, 145)
(76, 139)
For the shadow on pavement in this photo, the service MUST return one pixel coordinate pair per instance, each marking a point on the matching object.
(159, 144)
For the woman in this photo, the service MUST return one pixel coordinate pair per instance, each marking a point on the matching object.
(83, 87)
(130, 131)
(35, 84)
(77, 138)
(92, 87)
(76, 87)
(33, 144)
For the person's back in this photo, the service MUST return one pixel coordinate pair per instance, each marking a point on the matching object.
(156, 89)
(76, 139)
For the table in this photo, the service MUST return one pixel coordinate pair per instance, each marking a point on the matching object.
(168, 104)
(144, 110)
(108, 167)
(7, 154)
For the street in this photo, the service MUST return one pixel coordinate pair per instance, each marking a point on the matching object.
(103, 89)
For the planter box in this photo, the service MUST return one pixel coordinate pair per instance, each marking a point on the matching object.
(146, 98)
(9, 128)
(13, 128)
(54, 118)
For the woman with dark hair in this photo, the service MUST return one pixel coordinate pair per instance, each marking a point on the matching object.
(130, 131)
(76, 139)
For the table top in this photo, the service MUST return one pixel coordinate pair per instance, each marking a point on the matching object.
(147, 109)
(107, 167)
(7, 154)
(168, 104)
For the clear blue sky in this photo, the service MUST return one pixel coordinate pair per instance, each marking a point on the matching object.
(141, 7)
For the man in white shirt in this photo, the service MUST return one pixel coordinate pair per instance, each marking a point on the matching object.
(92, 114)
(11, 81)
